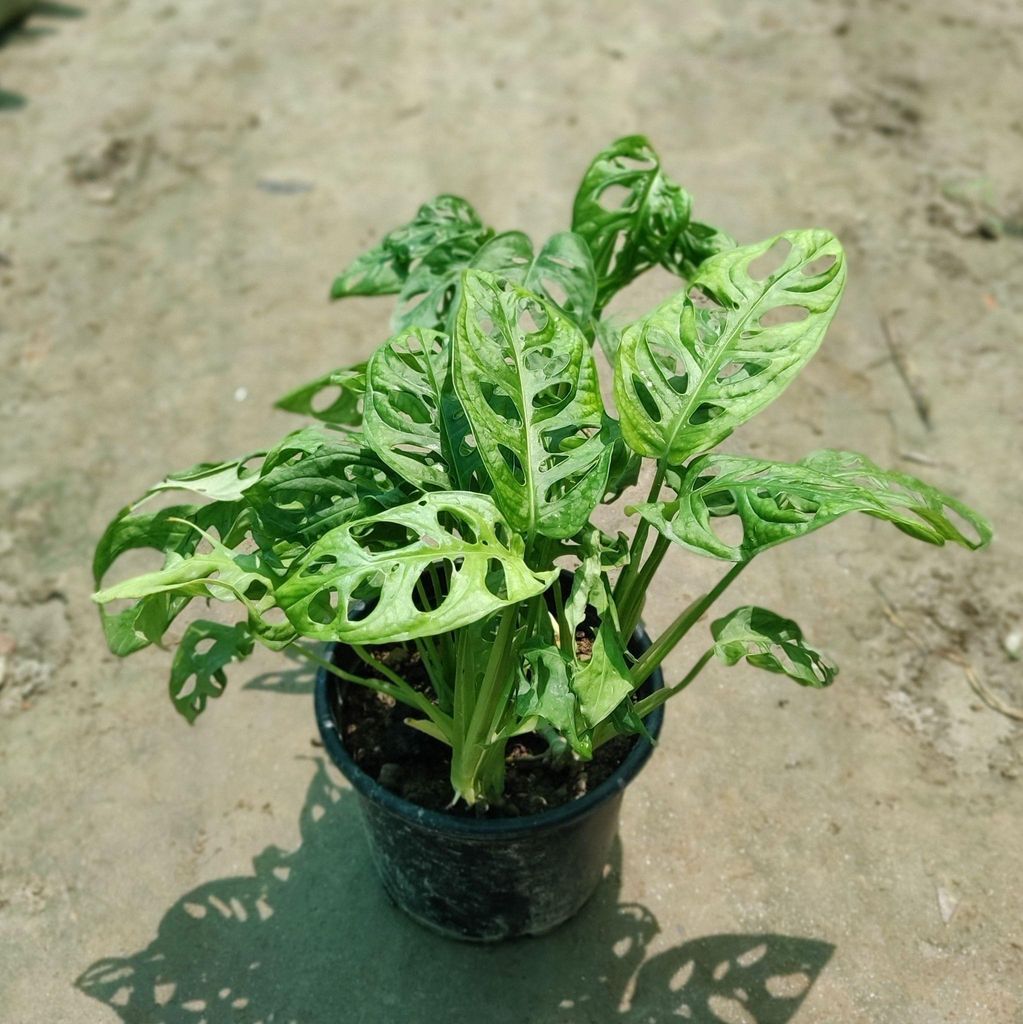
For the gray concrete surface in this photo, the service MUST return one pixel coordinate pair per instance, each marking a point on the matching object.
(853, 855)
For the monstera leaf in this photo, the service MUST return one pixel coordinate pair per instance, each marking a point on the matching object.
(218, 481)
(371, 580)
(414, 420)
(314, 481)
(628, 212)
(561, 272)
(345, 409)
(777, 501)
(442, 226)
(528, 383)
(172, 533)
(686, 376)
(698, 242)
(545, 690)
(772, 643)
(197, 672)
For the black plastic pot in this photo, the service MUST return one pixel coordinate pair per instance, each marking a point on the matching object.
(487, 879)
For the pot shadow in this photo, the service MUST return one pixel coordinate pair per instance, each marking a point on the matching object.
(310, 938)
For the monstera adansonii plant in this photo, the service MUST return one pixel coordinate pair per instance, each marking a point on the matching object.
(452, 479)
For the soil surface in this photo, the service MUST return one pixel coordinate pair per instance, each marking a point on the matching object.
(418, 768)
(179, 183)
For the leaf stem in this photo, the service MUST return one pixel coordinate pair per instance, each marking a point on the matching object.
(655, 700)
(669, 639)
(399, 690)
(625, 582)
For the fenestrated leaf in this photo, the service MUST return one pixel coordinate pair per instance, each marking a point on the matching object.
(380, 559)
(686, 376)
(346, 407)
(168, 532)
(198, 674)
(561, 272)
(602, 680)
(219, 573)
(625, 466)
(414, 421)
(772, 643)
(698, 242)
(314, 481)
(546, 691)
(431, 294)
(777, 501)
(629, 213)
(218, 481)
(444, 222)
(528, 383)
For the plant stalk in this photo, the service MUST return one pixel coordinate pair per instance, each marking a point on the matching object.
(668, 640)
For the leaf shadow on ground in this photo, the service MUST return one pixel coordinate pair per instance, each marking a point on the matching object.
(310, 938)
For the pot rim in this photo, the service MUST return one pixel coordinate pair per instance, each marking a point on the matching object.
(484, 828)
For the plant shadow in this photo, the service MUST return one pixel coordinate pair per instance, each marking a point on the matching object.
(296, 681)
(310, 938)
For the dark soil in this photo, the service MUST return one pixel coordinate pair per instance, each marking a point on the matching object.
(418, 768)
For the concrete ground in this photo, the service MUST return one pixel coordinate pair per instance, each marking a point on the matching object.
(179, 182)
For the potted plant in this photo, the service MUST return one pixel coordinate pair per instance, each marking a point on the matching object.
(489, 691)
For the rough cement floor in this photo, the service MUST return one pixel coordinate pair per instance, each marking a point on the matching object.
(179, 182)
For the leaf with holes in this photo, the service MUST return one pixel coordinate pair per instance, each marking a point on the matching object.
(319, 400)
(219, 574)
(312, 482)
(698, 242)
(629, 213)
(528, 384)
(443, 225)
(772, 643)
(218, 481)
(545, 690)
(388, 560)
(686, 376)
(601, 680)
(414, 421)
(171, 532)
(777, 501)
(561, 272)
(197, 672)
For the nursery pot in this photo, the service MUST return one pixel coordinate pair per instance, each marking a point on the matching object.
(487, 879)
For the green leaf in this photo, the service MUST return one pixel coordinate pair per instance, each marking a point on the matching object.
(777, 501)
(545, 690)
(382, 558)
(218, 481)
(438, 225)
(220, 574)
(528, 383)
(602, 680)
(346, 407)
(312, 482)
(423, 262)
(168, 532)
(686, 376)
(198, 674)
(772, 643)
(698, 242)
(561, 272)
(628, 212)
(414, 421)
(625, 466)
